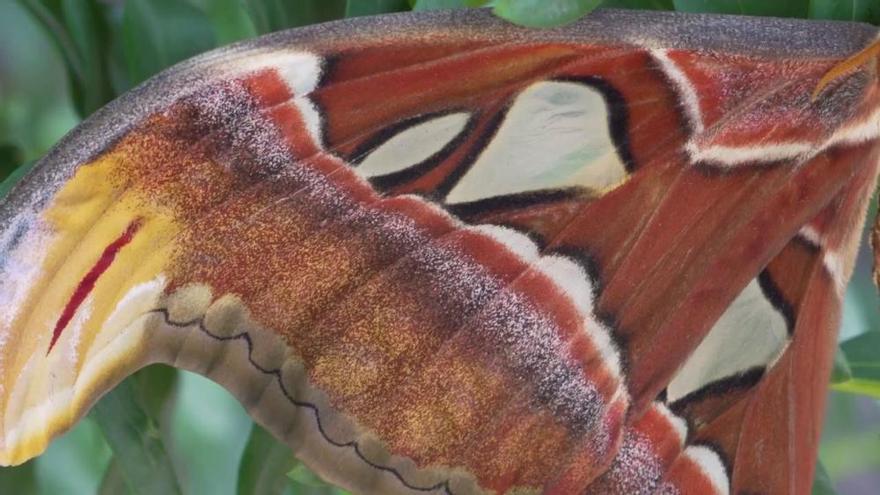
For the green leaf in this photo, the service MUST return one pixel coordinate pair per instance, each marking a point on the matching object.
(304, 480)
(230, 20)
(89, 31)
(117, 66)
(157, 386)
(302, 475)
(857, 386)
(274, 15)
(210, 430)
(639, 4)
(791, 8)
(863, 354)
(846, 10)
(543, 13)
(11, 157)
(50, 18)
(80, 31)
(74, 462)
(531, 7)
(113, 482)
(841, 371)
(822, 484)
(159, 33)
(133, 435)
(440, 4)
(864, 362)
(35, 106)
(264, 464)
(14, 177)
(356, 8)
(19, 479)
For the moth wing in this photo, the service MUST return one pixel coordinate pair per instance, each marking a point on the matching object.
(440, 253)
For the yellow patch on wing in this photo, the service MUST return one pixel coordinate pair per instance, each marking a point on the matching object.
(100, 338)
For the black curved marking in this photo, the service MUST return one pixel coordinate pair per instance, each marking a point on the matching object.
(385, 134)
(663, 397)
(327, 67)
(413, 172)
(777, 300)
(389, 181)
(473, 153)
(739, 381)
(714, 169)
(276, 373)
(618, 127)
(618, 116)
(811, 246)
(503, 203)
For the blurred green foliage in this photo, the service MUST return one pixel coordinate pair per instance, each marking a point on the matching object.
(164, 431)
(549, 13)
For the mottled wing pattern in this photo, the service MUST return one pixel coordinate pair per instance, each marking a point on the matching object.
(439, 254)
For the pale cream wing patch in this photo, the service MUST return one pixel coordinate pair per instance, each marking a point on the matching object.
(752, 333)
(413, 145)
(555, 135)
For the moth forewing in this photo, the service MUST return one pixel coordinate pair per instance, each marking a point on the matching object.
(439, 253)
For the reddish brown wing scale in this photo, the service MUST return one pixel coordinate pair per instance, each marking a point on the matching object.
(444, 325)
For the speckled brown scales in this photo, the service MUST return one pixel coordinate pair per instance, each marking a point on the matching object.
(436, 253)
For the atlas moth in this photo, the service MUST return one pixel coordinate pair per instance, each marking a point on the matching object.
(438, 253)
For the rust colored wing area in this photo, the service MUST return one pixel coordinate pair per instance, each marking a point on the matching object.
(440, 254)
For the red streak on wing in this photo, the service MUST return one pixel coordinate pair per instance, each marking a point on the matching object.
(88, 282)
